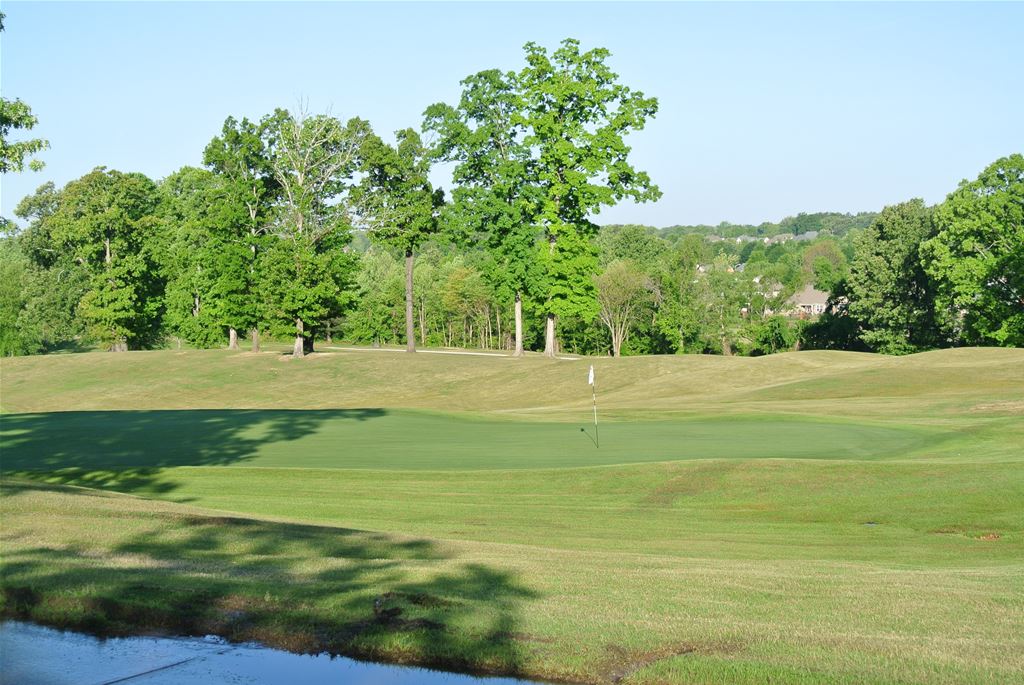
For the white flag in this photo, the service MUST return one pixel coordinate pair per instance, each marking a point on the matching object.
(590, 381)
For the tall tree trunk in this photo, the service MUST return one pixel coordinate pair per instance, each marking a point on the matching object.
(299, 349)
(118, 345)
(255, 339)
(549, 336)
(423, 323)
(232, 338)
(410, 329)
(549, 324)
(519, 325)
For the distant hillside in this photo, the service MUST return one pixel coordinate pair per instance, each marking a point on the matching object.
(835, 223)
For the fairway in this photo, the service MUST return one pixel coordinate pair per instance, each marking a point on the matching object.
(802, 518)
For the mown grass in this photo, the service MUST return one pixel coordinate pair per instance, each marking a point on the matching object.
(813, 517)
(808, 383)
(403, 439)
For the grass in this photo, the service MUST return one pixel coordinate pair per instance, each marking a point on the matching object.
(401, 439)
(810, 517)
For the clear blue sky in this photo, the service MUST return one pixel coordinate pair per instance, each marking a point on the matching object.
(766, 109)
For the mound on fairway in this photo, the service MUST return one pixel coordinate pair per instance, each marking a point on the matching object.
(808, 517)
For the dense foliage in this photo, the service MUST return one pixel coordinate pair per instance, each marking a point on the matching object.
(304, 226)
(976, 258)
(188, 265)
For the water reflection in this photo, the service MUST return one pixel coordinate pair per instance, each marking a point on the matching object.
(33, 655)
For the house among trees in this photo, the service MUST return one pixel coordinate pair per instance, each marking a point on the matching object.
(768, 289)
(808, 302)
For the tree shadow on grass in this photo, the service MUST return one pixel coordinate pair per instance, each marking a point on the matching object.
(124, 450)
(298, 587)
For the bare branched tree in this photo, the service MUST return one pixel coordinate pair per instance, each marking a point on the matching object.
(622, 290)
(314, 160)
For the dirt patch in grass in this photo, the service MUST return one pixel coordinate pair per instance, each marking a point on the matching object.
(698, 479)
(217, 521)
(964, 531)
(626, 663)
(1009, 407)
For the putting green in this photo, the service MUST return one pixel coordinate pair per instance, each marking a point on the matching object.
(400, 439)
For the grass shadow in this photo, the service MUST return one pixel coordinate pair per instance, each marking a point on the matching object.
(125, 450)
(307, 589)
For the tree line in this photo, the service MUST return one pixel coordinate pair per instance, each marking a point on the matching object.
(835, 223)
(256, 240)
(308, 227)
(926, 277)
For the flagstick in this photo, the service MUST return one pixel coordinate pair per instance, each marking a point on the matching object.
(597, 435)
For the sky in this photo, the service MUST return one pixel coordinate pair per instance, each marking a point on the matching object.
(766, 110)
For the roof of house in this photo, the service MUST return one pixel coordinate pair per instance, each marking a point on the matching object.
(809, 296)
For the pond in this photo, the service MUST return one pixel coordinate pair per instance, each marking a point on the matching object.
(33, 655)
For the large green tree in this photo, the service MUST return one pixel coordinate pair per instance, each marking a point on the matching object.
(495, 199)
(205, 258)
(891, 296)
(306, 273)
(106, 222)
(577, 116)
(397, 203)
(240, 157)
(977, 256)
(53, 283)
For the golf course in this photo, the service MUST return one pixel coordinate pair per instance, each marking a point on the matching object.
(807, 517)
